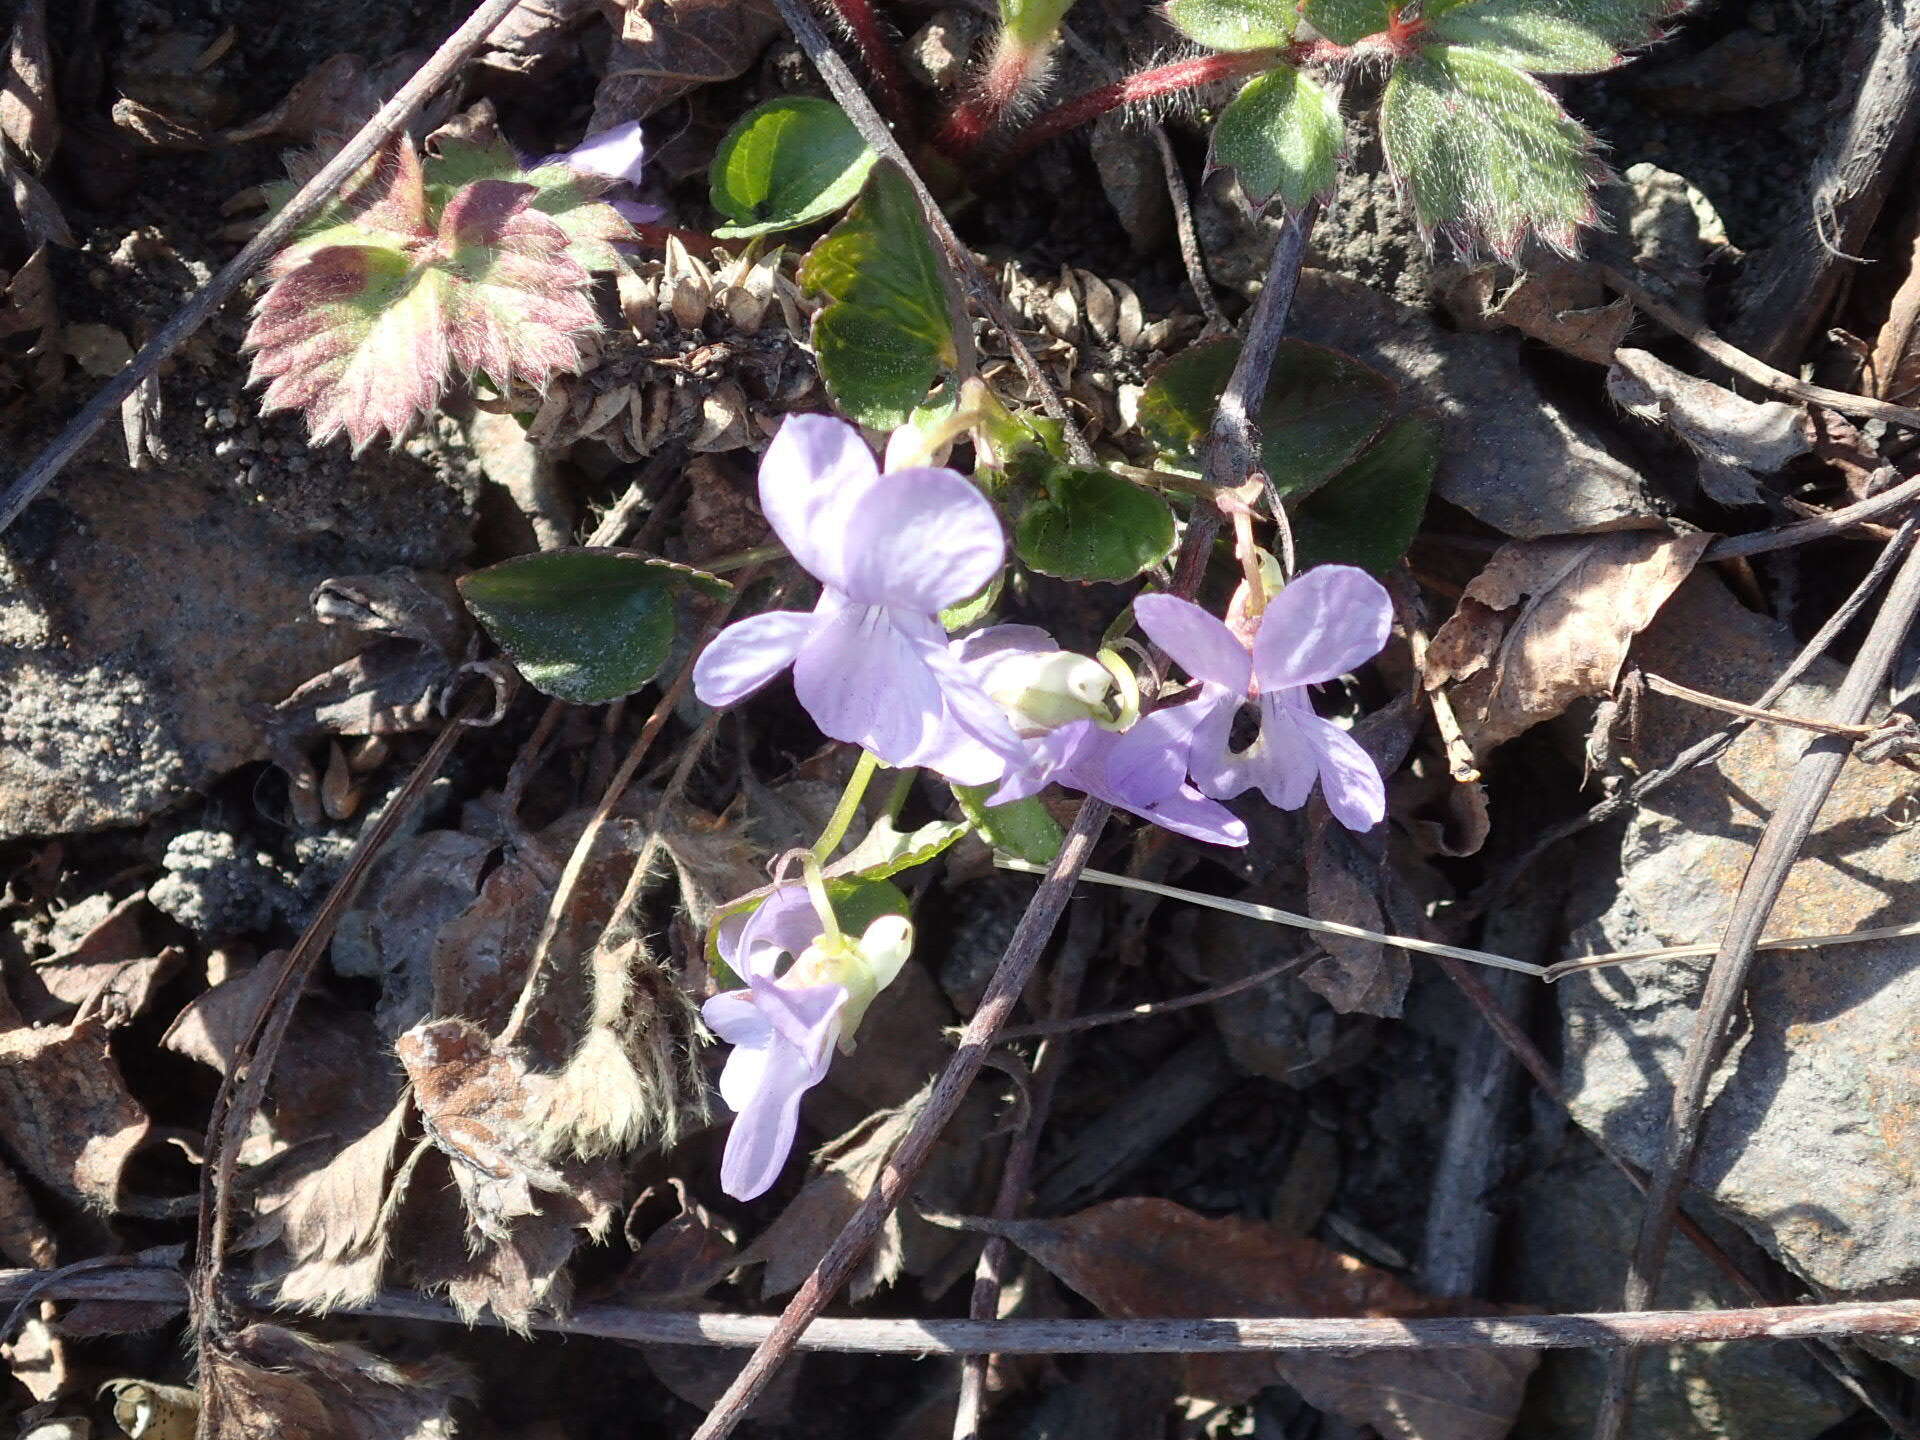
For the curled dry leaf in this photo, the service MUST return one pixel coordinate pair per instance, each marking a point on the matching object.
(331, 99)
(1152, 1258)
(1548, 622)
(28, 116)
(1735, 440)
(1896, 349)
(475, 1100)
(108, 970)
(664, 48)
(270, 1383)
(1557, 301)
(66, 1116)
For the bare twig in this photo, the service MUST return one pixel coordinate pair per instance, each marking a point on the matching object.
(1834, 522)
(1210, 1336)
(388, 121)
(1752, 712)
(1155, 1008)
(1190, 256)
(1746, 366)
(1786, 831)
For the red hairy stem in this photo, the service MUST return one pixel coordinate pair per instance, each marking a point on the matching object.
(1006, 78)
(1172, 79)
(876, 50)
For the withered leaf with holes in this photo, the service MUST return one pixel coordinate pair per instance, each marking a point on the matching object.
(1548, 622)
(1152, 1258)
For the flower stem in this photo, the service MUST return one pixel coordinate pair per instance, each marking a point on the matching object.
(876, 49)
(848, 807)
(1006, 78)
(1174, 79)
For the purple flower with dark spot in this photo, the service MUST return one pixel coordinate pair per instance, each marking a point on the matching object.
(870, 661)
(1327, 622)
(1142, 770)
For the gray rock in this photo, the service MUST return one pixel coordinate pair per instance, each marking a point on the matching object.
(1811, 1142)
(1572, 1222)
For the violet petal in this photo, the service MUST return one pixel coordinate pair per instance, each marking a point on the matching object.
(748, 654)
(1202, 645)
(1326, 622)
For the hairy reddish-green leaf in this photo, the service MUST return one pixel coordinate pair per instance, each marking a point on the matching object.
(356, 336)
(1281, 136)
(384, 203)
(517, 306)
(1346, 21)
(1556, 37)
(1486, 153)
(1234, 24)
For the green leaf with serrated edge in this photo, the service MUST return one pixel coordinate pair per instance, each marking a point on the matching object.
(1319, 409)
(1234, 24)
(1090, 525)
(571, 197)
(383, 204)
(1486, 153)
(789, 162)
(886, 335)
(1282, 136)
(584, 625)
(1022, 829)
(1347, 21)
(355, 336)
(1554, 37)
(885, 851)
(1368, 514)
(857, 903)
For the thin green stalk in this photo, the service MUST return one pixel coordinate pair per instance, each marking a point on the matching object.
(848, 807)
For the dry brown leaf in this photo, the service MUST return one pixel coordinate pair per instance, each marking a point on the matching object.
(475, 1099)
(1896, 349)
(109, 970)
(1345, 873)
(1735, 440)
(1560, 302)
(332, 99)
(664, 48)
(1152, 1258)
(66, 1116)
(537, 37)
(28, 116)
(270, 1383)
(1548, 622)
(24, 1237)
(413, 892)
(40, 214)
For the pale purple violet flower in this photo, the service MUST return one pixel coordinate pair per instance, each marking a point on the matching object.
(782, 1035)
(870, 661)
(1142, 771)
(1328, 621)
(619, 154)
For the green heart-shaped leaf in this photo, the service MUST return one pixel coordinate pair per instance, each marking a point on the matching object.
(1320, 408)
(584, 625)
(886, 335)
(1090, 525)
(1368, 514)
(789, 162)
(1282, 136)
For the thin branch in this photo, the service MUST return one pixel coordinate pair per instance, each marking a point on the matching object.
(1834, 522)
(1153, 1009)
(870, 38)
(1705, 701)
(1198, 279)
(1205, 1336)
(1786, 831)
(1746, 366)
(851, 1245)
(388, 121)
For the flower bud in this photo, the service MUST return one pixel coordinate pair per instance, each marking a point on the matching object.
(863, 967)
(1043, 690)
